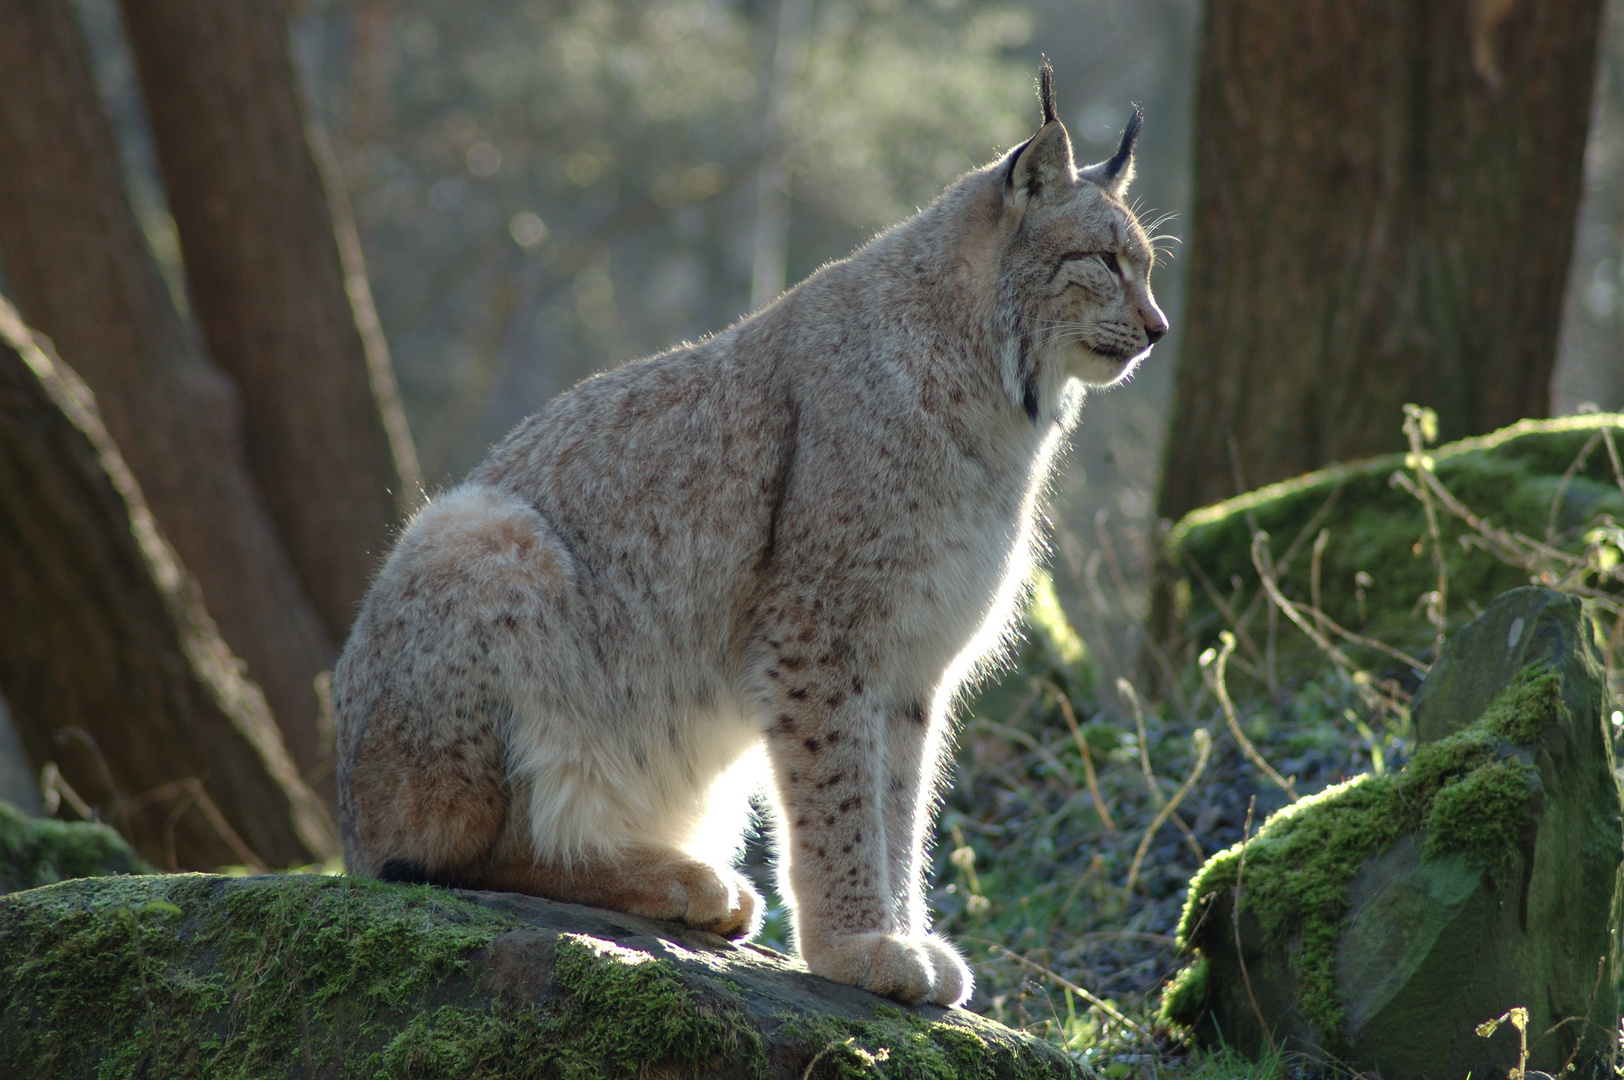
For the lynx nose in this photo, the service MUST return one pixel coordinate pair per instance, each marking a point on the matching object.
(1156, 332)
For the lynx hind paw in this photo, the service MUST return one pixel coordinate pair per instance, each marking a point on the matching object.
(954, 980)
(883, 964)
(721, 901)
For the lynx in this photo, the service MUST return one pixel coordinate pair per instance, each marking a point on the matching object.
(766, 561)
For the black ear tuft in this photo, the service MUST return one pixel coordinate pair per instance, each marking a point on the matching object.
(1115, 173)
(1046, 92)
(1124, 154)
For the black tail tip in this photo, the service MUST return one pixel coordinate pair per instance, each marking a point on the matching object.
(404, 871)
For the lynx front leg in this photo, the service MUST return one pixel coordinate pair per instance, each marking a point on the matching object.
(826, 740)
(909, 766)
(913, 748)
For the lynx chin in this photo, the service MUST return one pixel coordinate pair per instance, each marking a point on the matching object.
(763, 562)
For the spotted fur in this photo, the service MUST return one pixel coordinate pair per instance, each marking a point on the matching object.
(765, 561)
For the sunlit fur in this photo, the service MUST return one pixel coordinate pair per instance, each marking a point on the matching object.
(762, 562)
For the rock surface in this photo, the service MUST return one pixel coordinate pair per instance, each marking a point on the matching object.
(1383, 920)
(304, 976)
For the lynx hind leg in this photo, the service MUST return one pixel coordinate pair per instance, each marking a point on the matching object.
(641, 879)
(422, 694)
(416, 807)
(595, 822)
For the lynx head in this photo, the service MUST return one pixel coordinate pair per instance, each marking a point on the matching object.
(1074, 269)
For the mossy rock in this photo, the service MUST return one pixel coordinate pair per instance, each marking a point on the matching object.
(41, 851)
(1382, 920)
(197, 975)
(1513, 477)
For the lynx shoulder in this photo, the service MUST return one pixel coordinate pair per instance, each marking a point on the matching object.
(762, 562)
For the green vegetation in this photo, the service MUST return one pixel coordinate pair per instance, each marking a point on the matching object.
(203, 976)
(300, 961)
(1516, 477)
(621, 1011)
(901, 1044)
(1186, 994)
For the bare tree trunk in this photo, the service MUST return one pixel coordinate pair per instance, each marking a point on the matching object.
(81, 273)
(269, 289)
(110, 650)
(1384, 203)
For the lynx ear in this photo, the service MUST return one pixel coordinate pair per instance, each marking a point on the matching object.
(1041, 164)
(1116, 173)
(1046, 159)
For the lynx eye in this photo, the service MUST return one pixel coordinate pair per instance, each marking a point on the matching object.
(1107, 259)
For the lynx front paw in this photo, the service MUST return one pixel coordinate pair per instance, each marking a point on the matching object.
(954, 982)
(925, 969)
(719, 900)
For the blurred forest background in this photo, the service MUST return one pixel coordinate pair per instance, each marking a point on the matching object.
(544, 189)
(526, 192)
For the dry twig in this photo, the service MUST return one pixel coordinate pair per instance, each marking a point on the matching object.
(1420, 427)
(1088, 764)
(1203, 747)
(1235, 919)
(1093, 999)
(1212, 669)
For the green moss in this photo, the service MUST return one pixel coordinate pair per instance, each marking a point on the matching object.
(619, 1012)
(319, 970)
(1473, 815)
(469, 1043)
(906, 1046)
(302, 963)
(1526, 707)
(42, 851)
(625, 1009)
(1185, 997)
(193, 976)
(1467, 793)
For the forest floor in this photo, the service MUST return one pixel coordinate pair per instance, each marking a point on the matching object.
(1048, 874)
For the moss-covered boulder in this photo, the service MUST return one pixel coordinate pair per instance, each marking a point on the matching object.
(1381, 921)
(1373, 571)
(41, 851)
(303, 976)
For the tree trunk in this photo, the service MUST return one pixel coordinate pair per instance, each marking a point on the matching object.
(112, 665)
(81, 273)
(1384, 203)
(266, 281)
